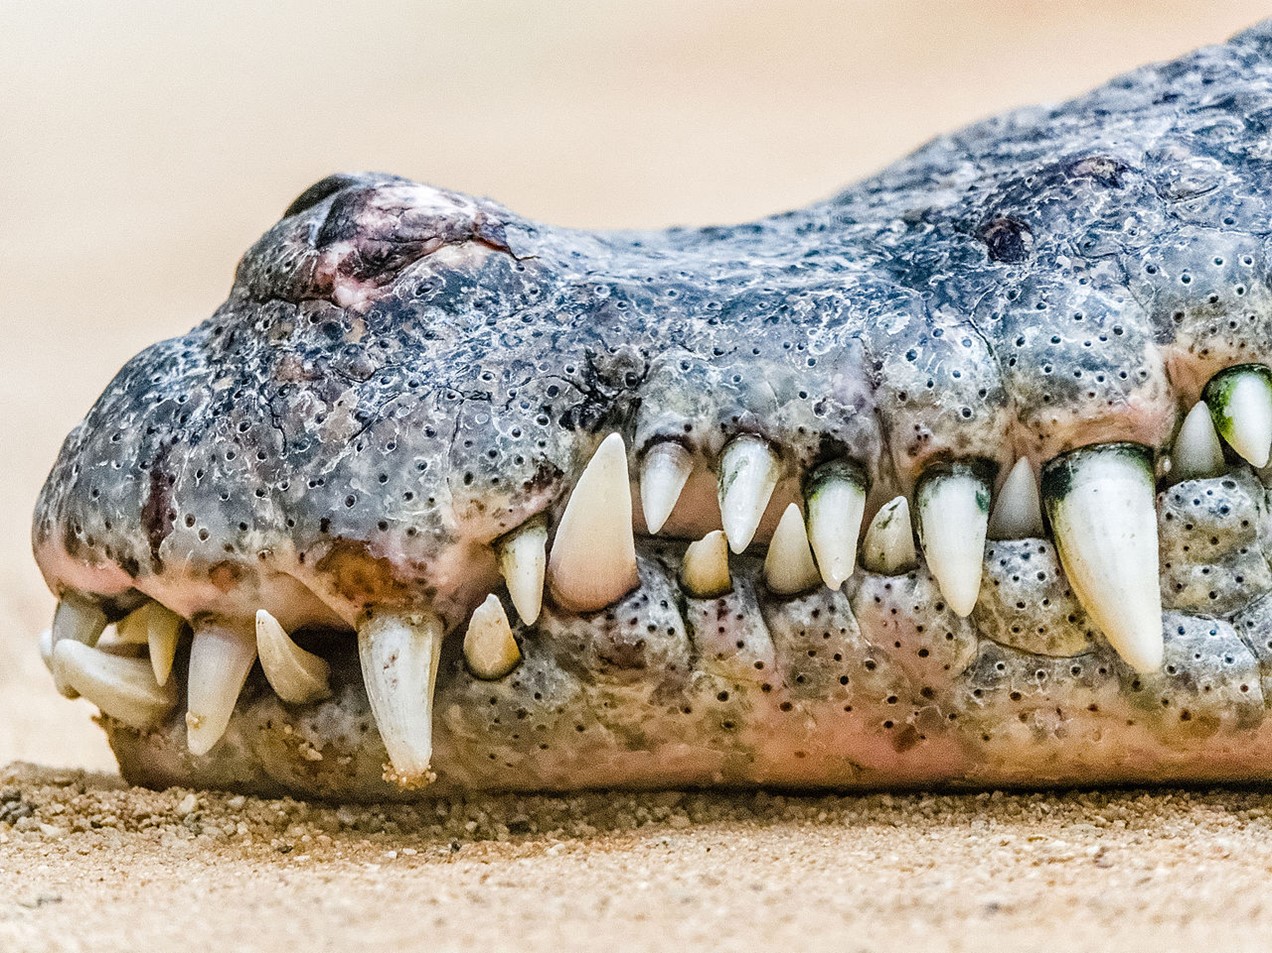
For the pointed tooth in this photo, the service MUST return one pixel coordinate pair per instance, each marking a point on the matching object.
(663, 474)
(1240, 401)
(1102, 506)
(133, 628)
(523, 561)
(889, 544)
(749, 470)
(399, 655)
(489, 647)
(593, 559)
(836, 501)
(123, 688)
(953, 517)
(1197, 453)
(1018, 509)
(788, 567)
(296, 676)
(705, 570)
(220, 659)
(79, 620)
(163, 631)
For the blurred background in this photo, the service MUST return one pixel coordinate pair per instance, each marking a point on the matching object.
(146, 145)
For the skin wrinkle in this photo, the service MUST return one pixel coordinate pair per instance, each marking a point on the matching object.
(410, 373)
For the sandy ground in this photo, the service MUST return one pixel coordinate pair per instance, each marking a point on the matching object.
(145, 149)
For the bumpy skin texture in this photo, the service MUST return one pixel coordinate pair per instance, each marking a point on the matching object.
(403, 374)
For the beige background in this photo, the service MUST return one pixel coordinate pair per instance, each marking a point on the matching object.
(142, 150)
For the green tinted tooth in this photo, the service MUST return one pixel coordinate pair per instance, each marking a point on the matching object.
(1240, 401)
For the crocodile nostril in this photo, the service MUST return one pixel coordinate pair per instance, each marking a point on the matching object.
(324, 189)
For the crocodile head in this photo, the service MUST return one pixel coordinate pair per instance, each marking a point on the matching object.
(956, 478)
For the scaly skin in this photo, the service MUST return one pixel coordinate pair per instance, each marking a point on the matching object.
(402, 375)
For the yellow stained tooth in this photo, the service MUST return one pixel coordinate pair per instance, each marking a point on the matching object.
(297, 677)
(489, 646)
(593, 558)
(163, 631)
(705, 570)
(1101, 501)
(789, 568)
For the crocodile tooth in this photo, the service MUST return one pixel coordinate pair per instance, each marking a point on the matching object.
(705, 570)
(1240, 401)
(788, 566)
(593, 559)
(1197, 453)
(123, 688)
(889, 543)
(1102, 507)
(523, 560)
(749, 470)
(46, 649)
(134, 628)
(953, 509)
(399, 655)
(295, 675)
(79, 620)
(220, 659)
(489, 647)
(1017, 510)
(163, 630)
(836, 502)
(663, 473)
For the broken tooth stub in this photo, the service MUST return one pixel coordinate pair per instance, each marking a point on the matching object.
(445, 499)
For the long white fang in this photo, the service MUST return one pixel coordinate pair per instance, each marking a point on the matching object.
(953, 519)
(663, 473)
(705, 570)
(1018, 508)
(123, 688)
(1240, 401)
(593, 559)
(789, 566)
(1101, 502)
(296, 676)
(220, 658)
(399, 655)
(889, 543)
(749, 470)
(523, 561)
(1197, 453)
(79, 620)
(489, 647)
(163, 629)
(836, 502)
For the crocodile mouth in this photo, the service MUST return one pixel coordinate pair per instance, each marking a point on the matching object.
(957, 479)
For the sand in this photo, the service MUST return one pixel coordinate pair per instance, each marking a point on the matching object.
(145, 149)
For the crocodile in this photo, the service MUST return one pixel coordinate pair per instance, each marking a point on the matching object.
(957, 479)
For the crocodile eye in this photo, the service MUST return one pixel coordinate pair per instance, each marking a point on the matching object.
(323, 188)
